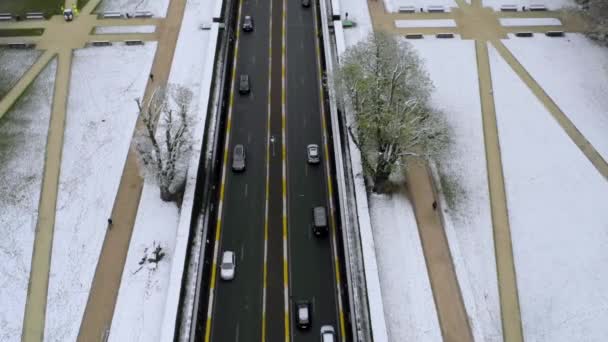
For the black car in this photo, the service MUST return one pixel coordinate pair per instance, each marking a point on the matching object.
(244, 86)
(248, 23)
(303, 314)
(305, 3)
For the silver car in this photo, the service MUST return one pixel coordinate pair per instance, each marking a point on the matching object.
(239, 158)
(228, 266)
(313, 154)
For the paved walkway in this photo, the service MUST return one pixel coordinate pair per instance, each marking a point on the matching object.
(106, 282)
(453, 318)
(59, 39)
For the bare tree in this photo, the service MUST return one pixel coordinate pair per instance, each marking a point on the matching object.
(383, 80)
(163, 142)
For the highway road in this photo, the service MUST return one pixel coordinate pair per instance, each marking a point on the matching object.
(265, 213)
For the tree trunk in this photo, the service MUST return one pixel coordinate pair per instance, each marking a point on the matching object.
(166, 194)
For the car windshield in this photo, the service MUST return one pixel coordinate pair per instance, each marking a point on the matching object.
(226, 266)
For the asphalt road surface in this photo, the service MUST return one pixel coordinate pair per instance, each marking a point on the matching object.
(266, 211)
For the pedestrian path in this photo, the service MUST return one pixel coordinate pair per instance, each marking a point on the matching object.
(452, 314)
(100, 306)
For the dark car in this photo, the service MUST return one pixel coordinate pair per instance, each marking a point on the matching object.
(238, 158)
(303, 317)
(248, 23)
(319, 219)
(305, 3)
(244, 86)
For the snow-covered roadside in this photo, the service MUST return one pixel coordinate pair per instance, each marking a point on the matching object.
(13, 64)
(157, 7)
(101, 115)
(550, 4)
(188, 69)
(393, 5)
(23, 132)
(568, 70)
(468, 222)
(558, 216)
(406, 291)
(125, 29)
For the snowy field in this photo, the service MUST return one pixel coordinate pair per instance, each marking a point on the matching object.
(425, 23)
(141, 299)
(576, 87)
(393, 5)
(157, 7)
(463, 169)
(550, 4)
(100, 119)
(530, 22)
(125, 29)
(409, 308)
(558, 215)
(142, 296)
(13, 64)
(23, 132)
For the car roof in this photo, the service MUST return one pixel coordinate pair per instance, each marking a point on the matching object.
(227, 256)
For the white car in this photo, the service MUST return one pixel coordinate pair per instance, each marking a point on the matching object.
(312, 152)
(228, 266)
(328, 334)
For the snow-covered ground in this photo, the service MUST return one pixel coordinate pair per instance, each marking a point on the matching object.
(13, 64)
(101, 115)
(393, 5)
(557, 210)
(463, 169)
(157, 7)
(568, 70)
(530, 22)
(409, 308)
(23, 132)
(142, 298)
(425, 23)
(550, 4)
(125, 29)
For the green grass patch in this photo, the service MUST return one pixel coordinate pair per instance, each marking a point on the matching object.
(20, 7)
(21, 33)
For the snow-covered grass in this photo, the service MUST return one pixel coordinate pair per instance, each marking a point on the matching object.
(425, 23)
(557, 210)
(568, 70)
(468, 222)
(190, 60)
(157, 7)
(13, 64)
(406, 292)
(125, 29)
(101, 115)
(23, 133)
(139, 308)
(530, 21)
(393, 5)
(550, 4)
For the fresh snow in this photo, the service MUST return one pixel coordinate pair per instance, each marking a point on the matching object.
(468, 222)
(101, 115)
(550, 4)
(157, 7)
(406, 292)
(425, 23)
(393, 5)
(530, 22)
(569, 70)
(141, 299)
(558, 213)
(125, 29)
(13, 64)
(23, 132)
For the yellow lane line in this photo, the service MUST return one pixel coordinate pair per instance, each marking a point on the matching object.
(267, 191)
(330, 191)
(284, 185)
(222, 187)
